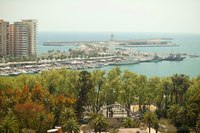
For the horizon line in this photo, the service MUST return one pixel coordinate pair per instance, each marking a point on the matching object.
(120, 32)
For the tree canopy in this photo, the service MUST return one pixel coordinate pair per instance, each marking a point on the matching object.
(39, 102)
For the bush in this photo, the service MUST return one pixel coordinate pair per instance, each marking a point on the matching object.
(129, 123)
(113, 123)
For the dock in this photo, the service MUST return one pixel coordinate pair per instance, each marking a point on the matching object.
(139, 42)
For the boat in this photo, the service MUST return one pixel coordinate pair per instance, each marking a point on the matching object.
(100, 65)
(4, 74)
(174, 57)
(156, 58)
(14, 74)
(129, 60)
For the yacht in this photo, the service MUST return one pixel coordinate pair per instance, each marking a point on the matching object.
(128, 60)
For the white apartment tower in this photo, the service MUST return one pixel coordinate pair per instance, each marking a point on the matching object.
(25, 37)
(32, 35)
(4, 37)
(21, 39)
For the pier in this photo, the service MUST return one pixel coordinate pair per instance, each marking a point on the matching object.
(140, 42)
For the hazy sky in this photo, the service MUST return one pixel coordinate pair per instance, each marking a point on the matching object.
(106, 15)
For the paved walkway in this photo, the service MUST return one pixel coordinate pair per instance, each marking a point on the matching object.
(121, 130)
(136, 130)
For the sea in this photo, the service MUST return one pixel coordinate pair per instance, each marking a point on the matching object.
(188, 43)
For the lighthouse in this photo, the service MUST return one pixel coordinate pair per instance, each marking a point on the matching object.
(112, 43)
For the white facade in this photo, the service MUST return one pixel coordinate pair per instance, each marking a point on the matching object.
(32, 35)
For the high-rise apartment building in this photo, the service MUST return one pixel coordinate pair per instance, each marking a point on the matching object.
(32, 35)
(4, 37)
(21, 38)
(11, 40)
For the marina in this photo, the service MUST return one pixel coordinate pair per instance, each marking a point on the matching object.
(33, 67)
(150, 61)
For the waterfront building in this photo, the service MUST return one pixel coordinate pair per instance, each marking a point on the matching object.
(4, 37)
(32, 35)
(11, 39)
(19, 39)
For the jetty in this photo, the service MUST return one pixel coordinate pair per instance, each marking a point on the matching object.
(154, 42)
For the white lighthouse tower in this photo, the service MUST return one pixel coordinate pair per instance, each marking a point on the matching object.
(112, 43)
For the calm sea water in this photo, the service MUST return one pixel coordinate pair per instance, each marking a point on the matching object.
(188, 43)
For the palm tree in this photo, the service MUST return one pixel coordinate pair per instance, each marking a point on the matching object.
(66, 114)
(9, 125)
(156, 125)
(150, 118)
(98, 122)
(186, 114)
(129, 123)
(180, 86)
(166, 92)
(198, 124)
(175, 87)
(71, 126)
(173, 112)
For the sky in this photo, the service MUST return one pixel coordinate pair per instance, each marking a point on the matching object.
(180, 16)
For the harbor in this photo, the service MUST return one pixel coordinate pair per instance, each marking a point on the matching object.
(32, 67)
(92, 55)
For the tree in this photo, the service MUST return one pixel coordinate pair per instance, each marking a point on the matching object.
(173, 112)
(66, 114)
(193, 101)
(150, 118)
(156, 125)
(127, 91)
(180, 86)
(96, 95)
(72, 80)
(113, 85)
(71, 126)
(162, 97)
(84, 87)
(154, 91)
(167, 90)
(186, 114)
(9, 124)
(28, 113)
(198, 124)
(129, 123)
(98, 122)
(50, 80)
(142, 91)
